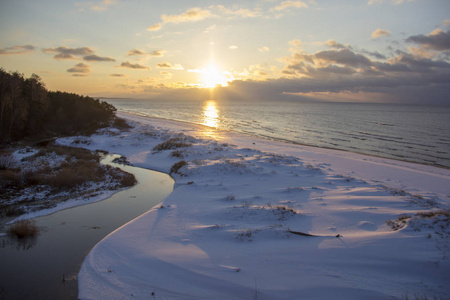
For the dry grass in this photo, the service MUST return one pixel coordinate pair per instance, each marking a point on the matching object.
(177, 166)
(441, 216)
(433, 214)
(23, 229)
(172, 144)
(399, 223)
(79, 170)
(284, 212)
(177, 153)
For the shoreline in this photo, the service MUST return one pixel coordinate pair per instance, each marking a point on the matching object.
(287, 141)
(226, 227)
(280, 147)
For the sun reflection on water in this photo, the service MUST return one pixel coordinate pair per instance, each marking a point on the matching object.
(210, 119)
(210, 114)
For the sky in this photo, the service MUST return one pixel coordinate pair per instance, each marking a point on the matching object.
(386, 51)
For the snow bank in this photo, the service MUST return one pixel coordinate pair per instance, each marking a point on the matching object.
(228, 229)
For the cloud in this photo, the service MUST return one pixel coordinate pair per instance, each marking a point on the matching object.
(289, 4)
(240, 12)
(396, 2)
(197, 14)
(117, 75)
(156, 53)
(344, 57)
(154, 27)
(80, 70)
(264, 49)
(404, 77)
(23, 49)
(340, 71)
(103, 5)
(166, 75)
(334, 44)
(295, 43)
(194, 14)
(168, 65)
(255, 72)
(94, 57)
(62, 53)
(134, 52)
(375, 54)
(380, 33)
(191, 15)
(437, 40)
(129, 65)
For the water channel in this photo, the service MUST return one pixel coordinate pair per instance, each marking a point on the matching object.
(47, 267)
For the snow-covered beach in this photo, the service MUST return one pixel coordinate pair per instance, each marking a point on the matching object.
(230, 229)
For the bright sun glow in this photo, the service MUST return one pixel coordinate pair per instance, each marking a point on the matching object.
(212, 77)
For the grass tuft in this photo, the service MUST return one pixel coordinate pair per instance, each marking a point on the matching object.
(23, 229)
(398, 223)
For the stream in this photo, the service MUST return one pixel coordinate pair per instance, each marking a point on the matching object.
(46, 267)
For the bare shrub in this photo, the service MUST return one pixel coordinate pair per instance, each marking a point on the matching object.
(89, 170)
(121, 160)
(28, 177)
(128, 179)
(6, 162)
(11, 210)
(177, 166)
(23, 229)
(121, 124)
(10, 176)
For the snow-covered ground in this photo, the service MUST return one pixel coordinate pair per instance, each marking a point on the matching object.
(228, 229)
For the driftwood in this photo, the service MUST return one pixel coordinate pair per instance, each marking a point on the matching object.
(300, 233)
(307, 234)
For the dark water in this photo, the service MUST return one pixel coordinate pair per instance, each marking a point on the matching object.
(416, 133)
(34, 269)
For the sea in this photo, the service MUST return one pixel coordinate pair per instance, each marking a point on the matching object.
(416, 133)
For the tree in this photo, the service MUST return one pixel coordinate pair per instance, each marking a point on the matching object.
(27, 109)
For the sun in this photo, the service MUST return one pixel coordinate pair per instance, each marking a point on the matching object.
(212, 77)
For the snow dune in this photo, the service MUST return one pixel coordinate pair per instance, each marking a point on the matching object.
(228, 229)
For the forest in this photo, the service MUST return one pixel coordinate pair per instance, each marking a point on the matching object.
(29, 110)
